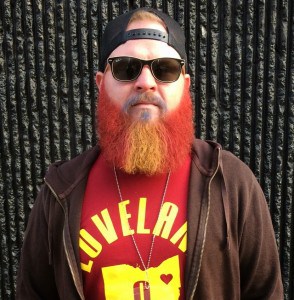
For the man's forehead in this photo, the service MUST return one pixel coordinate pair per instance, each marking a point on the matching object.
(139, 24)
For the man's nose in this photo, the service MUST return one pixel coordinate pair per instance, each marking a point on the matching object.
(145, 81)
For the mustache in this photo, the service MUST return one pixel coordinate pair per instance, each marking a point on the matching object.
(145, 98)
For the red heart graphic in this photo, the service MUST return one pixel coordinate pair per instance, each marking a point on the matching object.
(166, 278)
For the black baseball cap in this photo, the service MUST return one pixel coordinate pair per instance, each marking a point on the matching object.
(116, 34)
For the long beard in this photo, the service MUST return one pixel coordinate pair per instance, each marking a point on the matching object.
(143, 146)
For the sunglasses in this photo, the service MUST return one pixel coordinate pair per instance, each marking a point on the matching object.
(164, 69)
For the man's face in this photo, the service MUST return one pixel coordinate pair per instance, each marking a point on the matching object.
(121, 92)
(144, 126)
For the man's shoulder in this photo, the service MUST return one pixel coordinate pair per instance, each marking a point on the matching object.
(62, 174)
(234, 164)
(210, 154)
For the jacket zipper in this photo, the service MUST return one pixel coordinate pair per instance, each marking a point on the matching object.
(64, 244)
(209, 185)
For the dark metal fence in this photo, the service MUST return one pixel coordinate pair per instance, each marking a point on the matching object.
(241, 59)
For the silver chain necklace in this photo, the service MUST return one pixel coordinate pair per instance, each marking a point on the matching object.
(146, 267)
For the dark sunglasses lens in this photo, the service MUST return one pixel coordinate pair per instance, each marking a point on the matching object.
(166, 69)
(126, 68)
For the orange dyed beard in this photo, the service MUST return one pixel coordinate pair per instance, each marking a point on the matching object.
(143, 146)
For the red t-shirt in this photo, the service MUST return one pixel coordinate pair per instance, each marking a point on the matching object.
(110, 264)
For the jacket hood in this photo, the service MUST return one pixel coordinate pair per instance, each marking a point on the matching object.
(205, 155)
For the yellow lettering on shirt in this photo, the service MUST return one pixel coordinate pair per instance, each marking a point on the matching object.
(165, 220)
(87, 267)
(181, 234)
(141, 217)
(90, 246)
(105, 226)
(124, 216)
(95, 248)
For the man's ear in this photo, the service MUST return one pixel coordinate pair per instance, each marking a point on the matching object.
(187, 79)
(99, 78)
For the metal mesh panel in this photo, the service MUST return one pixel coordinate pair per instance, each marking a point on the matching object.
(241, 60)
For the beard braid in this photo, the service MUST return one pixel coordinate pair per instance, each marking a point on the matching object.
(145, 147)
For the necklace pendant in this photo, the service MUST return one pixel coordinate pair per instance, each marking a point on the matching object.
(142, 290)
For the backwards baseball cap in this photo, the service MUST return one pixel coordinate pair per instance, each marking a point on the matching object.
(116, 34)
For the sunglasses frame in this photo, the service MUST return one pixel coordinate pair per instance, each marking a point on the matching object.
(144, 63)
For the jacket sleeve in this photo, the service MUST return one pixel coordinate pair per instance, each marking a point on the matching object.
(260, 272)
(35, 278)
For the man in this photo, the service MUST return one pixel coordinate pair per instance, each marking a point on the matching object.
(150, 213)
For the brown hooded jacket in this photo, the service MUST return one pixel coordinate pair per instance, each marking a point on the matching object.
(231, 250)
